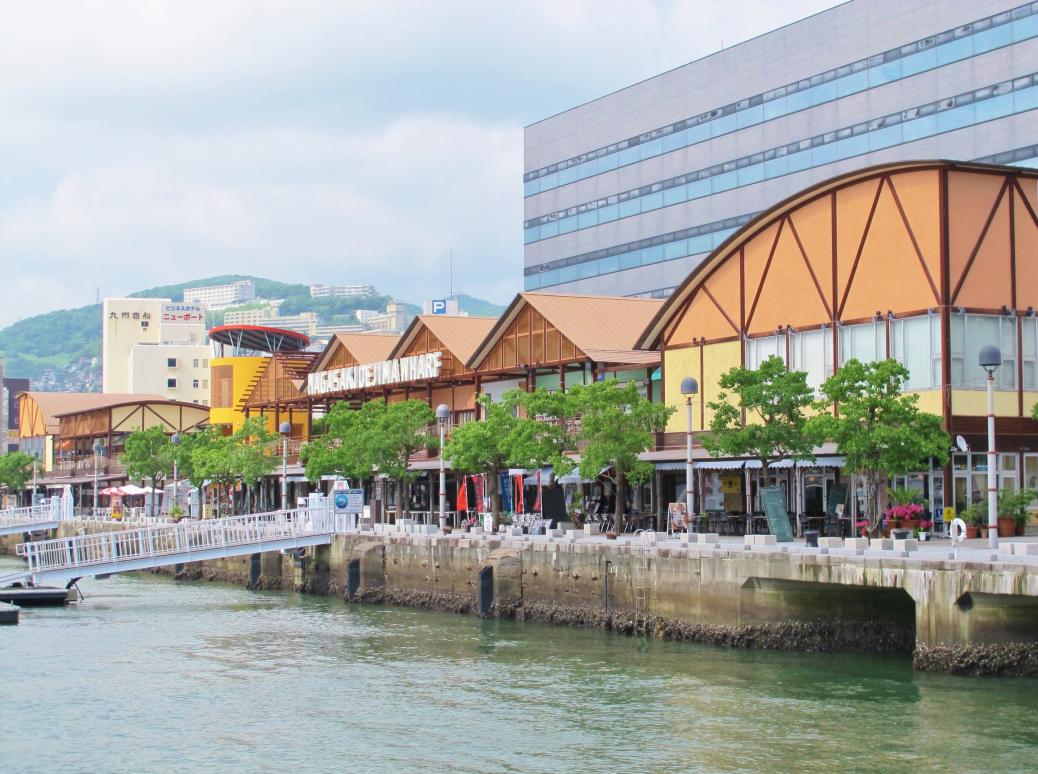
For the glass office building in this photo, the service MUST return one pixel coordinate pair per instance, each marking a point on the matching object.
(626, 194)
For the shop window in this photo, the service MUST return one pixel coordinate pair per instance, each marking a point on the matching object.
(812, 352)
(760, 349)
(171, 383)
(971, 332)
(915, 342)
(864, 342)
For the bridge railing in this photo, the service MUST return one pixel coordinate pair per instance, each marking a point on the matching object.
(169, 539)
(29, 514)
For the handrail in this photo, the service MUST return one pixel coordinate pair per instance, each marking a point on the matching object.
(183, 537)
(28, 515)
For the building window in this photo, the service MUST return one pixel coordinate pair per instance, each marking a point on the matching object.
(171, 383)
(171, 362)
(971, 332)
(205, 384)
(812, 352)
(205, 363)
(915, 342)
(194, 363)
(865, 342)
(760, 349)
(194, 383)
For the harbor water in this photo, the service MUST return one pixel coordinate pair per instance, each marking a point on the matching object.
(151, 675)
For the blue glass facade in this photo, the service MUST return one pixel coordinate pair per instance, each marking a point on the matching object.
(633, 215)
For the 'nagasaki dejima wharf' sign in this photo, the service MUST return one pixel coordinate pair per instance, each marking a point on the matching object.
(381, 374)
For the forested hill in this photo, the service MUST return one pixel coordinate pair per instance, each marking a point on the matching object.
(62, 349)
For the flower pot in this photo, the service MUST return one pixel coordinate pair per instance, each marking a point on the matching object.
(1019, 531)
(923, 536)
(1006, 526)
(972, 532)
(910, 524)
(984, 532)
(610, 535)
(893, 523)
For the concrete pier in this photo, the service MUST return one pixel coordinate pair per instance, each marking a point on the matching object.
(976, 612)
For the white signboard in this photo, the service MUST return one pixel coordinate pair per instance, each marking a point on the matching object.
(385, 372)
(183, 313)
(347, 500)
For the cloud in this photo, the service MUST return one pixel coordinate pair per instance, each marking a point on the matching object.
(153, 142)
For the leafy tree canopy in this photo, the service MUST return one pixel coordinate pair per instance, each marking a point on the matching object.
(15, 470)
(761, 413)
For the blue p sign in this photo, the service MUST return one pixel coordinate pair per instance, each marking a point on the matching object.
(439, 306)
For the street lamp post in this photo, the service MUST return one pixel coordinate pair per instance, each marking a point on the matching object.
(990, 360)
(689, 388)
(98, 448)
(35, 462)
(443, 413)
(175, 440)
(286, 430)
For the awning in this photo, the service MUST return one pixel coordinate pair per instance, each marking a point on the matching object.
(727, 464)
(573, 477)
(671, 465)
(819, 462)
(546, 476)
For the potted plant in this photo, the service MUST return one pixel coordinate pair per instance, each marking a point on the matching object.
(176, 513)
(1013, 511)
(924, 529)
(972, 515)
(906, 509)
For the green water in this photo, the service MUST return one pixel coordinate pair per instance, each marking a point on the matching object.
(151, 675)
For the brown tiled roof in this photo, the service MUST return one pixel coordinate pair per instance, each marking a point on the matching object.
(365, 347)
(605, 328)
(460, 335)
(56, 404)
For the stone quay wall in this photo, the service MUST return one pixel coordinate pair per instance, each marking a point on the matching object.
(955, 616)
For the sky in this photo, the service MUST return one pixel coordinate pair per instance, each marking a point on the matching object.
(145, 142)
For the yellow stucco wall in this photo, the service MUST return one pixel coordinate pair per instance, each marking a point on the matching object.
(679, 363)
(975, 403)
(243, 369)
(930, 401)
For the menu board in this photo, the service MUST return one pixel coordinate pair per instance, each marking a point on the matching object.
(773, 499)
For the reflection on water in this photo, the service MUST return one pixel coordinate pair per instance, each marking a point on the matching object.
(150, 675)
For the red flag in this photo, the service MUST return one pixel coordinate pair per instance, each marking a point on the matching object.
(520, 506)
(538, 506)
(463, 494)
(480, 489)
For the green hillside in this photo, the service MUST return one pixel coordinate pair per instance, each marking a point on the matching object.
(67, 341)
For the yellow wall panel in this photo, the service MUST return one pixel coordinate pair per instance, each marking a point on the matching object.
(974, 403)
(930, 401)
(677, 364)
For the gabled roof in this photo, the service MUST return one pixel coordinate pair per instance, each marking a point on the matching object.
(605, 328)
(55, 404)
(460, 335)
(365, 347)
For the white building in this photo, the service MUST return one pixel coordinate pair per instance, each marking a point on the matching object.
(219, 296)
(394, 320)
(446, 307)
(341, 291)
(304, 322)
(153, 346)
(364, 315)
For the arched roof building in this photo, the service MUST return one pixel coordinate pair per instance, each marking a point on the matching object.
(924, 262)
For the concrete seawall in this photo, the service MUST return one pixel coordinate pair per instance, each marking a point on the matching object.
(968, 617)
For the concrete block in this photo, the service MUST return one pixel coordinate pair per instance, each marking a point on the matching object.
(426, 529)
(830, 542)
(574, 534)
(909, 544)
(706, 538)
(514, 531)
(856, 543)
(1006, 549)
(554, 533)
(765, 540)
(749, 540)
(1025, 549)
(592, 529)
(881, 544)
(846, 552)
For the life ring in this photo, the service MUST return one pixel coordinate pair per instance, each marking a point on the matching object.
(957, 530)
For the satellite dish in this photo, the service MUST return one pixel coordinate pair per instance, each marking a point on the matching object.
(961, 443)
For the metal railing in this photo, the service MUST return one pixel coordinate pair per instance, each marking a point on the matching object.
(184, 537)
(137, 516)
(29, 515)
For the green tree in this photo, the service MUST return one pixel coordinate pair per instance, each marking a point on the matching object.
(502, 439)
(878, 429)
(15, 471)
(248, 454)
(148, 454)
(379, 436)
(616, 425)
(184, 454)
(760, 413)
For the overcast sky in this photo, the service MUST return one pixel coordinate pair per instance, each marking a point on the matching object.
(144, 142)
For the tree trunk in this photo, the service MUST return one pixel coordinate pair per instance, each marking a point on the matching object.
(872, 510)
(621, 497)
(493, 490)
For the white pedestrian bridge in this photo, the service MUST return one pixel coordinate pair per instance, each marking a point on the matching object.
(17, 520)
(104, 553)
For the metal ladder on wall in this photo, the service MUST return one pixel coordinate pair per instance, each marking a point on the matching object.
(639, 573)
